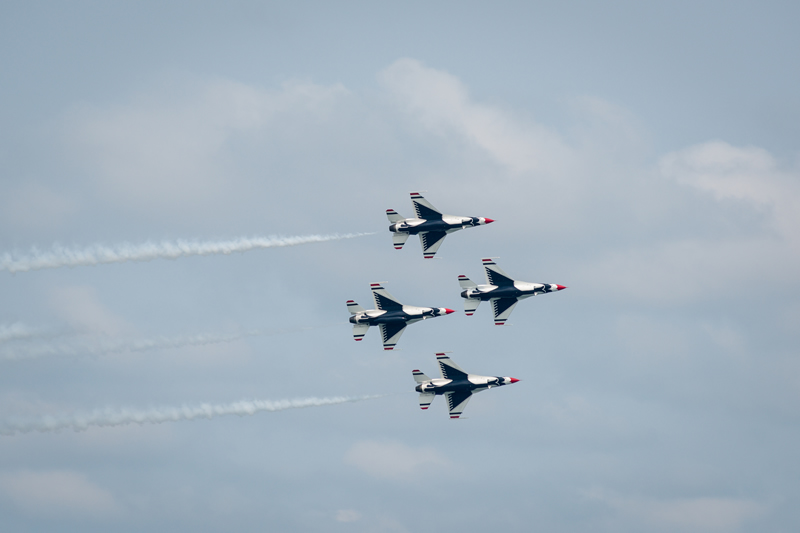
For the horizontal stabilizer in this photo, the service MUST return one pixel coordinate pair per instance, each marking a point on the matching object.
(470, 305)
(359, 330)
(466, 283)
(354, 308)
(425, 399)
(399, 239)
(393, 217)
(419, 377)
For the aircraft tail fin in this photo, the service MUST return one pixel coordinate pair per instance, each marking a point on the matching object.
(359, 330)
(419, 377)
(399, 239)
(425, 399)
(354, 308)
(470, 305)
(466, 283)
(393, 216)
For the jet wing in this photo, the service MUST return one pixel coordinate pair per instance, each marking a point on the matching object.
(502, 308)
(424, 208)
(495, 275)
(431, 241)
(391, 334)
(449, 369)
(383, 300)
(399, 239)
(359, 330)
(457, 402)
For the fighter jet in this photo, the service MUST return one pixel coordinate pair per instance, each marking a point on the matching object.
(431, 225)
(391, 316)
(456, 385)
(503, 291)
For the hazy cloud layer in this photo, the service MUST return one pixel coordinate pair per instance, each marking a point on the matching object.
(620, 155)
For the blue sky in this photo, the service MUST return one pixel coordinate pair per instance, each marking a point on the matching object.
(644, 155)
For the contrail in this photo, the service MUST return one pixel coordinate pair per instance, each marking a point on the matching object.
(20, 331)
(101, 347)
(94, 346)
(158, 415)
(99, 254)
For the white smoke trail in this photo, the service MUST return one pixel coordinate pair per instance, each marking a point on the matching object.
(98, 254)
(158, 415)
(100, 346)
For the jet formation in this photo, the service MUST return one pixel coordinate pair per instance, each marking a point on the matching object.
(431, 225)
(501, 290)
(391, 316)
(455, 385)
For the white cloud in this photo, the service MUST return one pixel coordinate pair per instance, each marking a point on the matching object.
(57, 492)
(160, 151)
(442, 104)
(395, 460)
(706, 514)
(746, 173)
(81, 308)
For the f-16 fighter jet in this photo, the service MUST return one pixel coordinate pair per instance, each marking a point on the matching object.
(431, 225)
(456, 385)
(501, 290)
(391, 316)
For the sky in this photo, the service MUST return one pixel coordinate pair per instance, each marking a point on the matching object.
(643, 154)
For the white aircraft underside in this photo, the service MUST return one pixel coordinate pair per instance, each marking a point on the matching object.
(455, 385)
(391, 316)
(501, 290)
(430, 224)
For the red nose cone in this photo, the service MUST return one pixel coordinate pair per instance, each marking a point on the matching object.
(448, 311)
(514, 380)
(488, 220)
(560, 287)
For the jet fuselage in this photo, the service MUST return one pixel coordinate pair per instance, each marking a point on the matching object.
(472, 383)
(447, 224)
(408, 314)
(519, 290)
